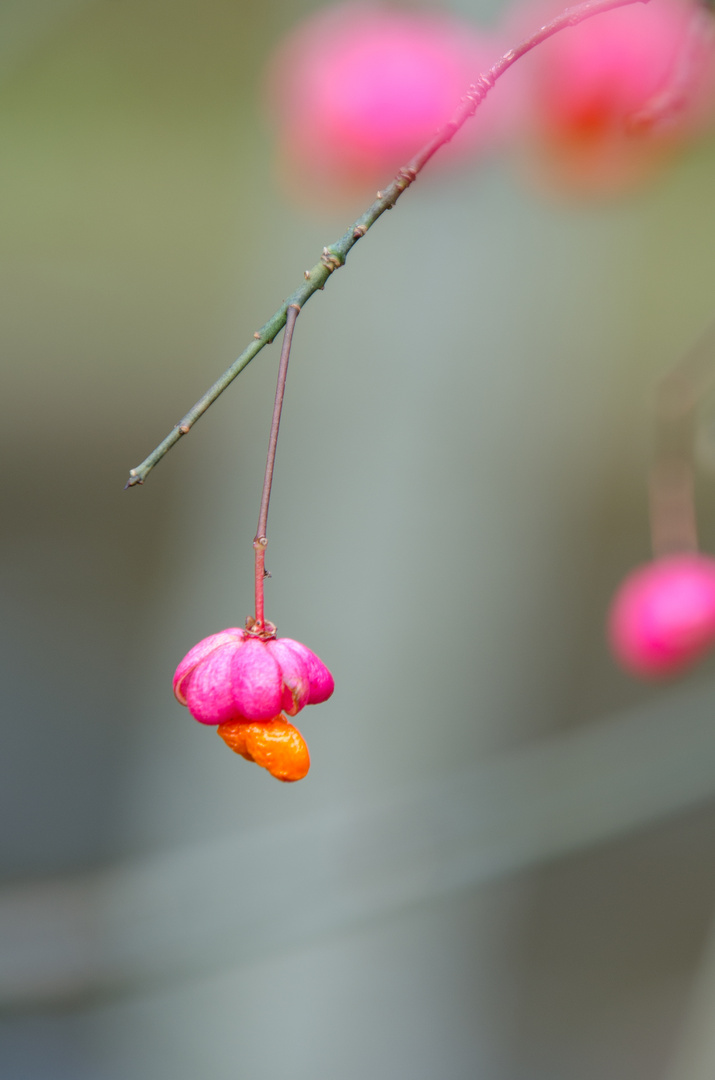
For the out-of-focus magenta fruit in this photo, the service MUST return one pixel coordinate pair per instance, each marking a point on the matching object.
(662, 618)
(589, 90)
(358, 88)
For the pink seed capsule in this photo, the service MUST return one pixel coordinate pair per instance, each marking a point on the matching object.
(235, 675)
(662, 618)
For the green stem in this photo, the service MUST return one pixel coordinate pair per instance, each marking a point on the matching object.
(334, 255)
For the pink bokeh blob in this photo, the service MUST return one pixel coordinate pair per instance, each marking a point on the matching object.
(588, 92)
(662, 618)
(357, 89)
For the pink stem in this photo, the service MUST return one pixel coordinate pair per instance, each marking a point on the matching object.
(259, 547)
(682, 80)
(673, 526)
(260, 541)
(679, 393)
(571, 16)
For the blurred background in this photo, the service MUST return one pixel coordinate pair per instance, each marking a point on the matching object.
(501, 864)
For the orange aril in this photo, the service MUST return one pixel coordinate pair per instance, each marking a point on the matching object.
(275, 745)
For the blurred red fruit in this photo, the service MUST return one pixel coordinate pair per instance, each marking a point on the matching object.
(610, 99)
(357, 89)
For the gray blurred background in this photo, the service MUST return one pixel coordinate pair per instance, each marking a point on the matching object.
(501, 865)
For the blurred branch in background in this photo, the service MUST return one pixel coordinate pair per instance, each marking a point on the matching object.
(679, 394)
(694, 1058)
(142, 922)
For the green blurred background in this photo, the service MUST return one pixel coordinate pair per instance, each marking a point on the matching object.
(469, 883)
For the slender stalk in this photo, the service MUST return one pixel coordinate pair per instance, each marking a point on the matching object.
(335, 254)
(260, 541)
(259, 547)
(671, 495)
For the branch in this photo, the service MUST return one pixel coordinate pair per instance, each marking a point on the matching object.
(678, 396)
(334, 255)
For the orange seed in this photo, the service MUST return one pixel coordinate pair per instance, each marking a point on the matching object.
(274, 744)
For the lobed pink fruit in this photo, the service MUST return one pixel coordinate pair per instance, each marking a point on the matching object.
(234, 675)
(662, 618)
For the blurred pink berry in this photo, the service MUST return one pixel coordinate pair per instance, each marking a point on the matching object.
(662, 618)
(358, 88)
(236, 675)
(590, 90)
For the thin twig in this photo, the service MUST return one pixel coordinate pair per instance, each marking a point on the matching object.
(292, 315)
(260, 541)
(334, 255)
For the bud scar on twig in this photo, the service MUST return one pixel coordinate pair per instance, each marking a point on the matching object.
(330, 260)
